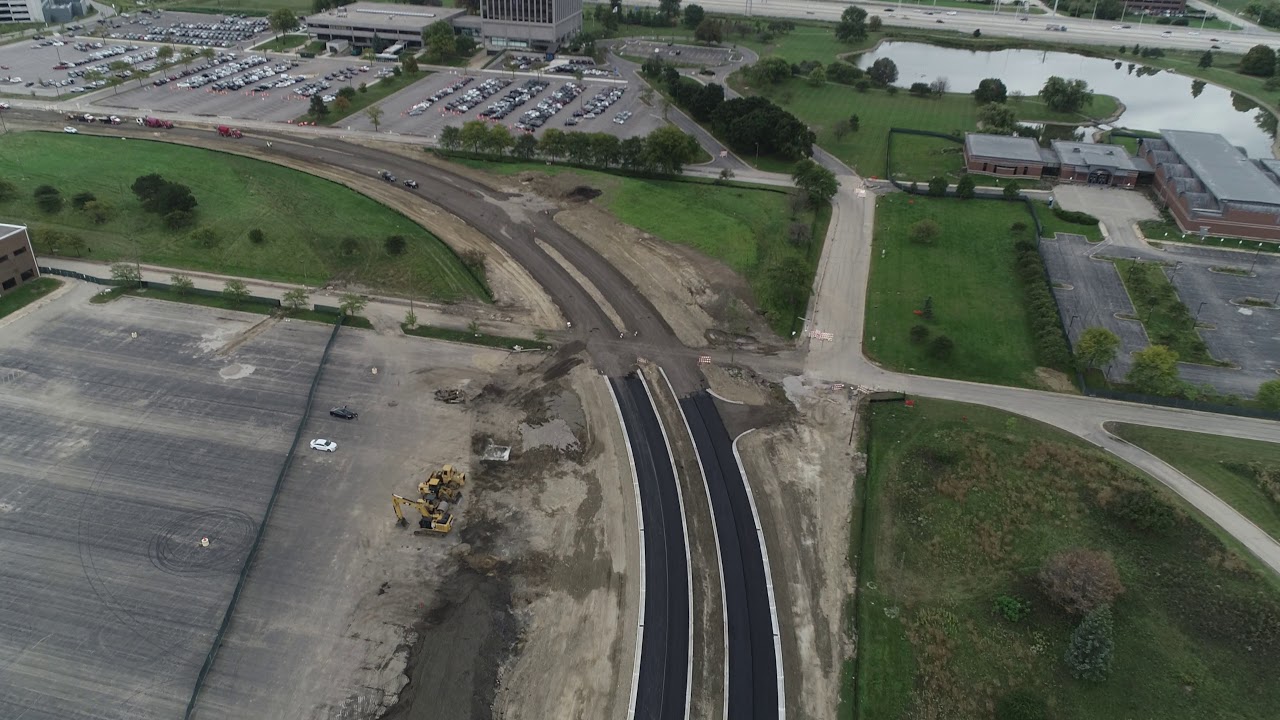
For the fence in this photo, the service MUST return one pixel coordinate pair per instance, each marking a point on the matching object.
(262, 527)
(156, 285)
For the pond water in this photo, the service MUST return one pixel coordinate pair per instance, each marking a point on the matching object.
(1153, 99)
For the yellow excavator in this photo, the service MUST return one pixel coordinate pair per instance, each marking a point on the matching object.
(443, 484)
(434, 517)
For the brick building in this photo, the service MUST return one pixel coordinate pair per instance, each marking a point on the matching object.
(1097, 164)
(17, 260)
(1213, 188)
(1156, 7)
(1006, 156)
(1074, 162)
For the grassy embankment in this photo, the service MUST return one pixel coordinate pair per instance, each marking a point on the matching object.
(745, 227)
(969, 271)
(21, 297)
(306, 221)
(282, 43)
(967, 502)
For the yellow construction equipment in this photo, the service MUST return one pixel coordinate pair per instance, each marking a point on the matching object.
(444, 484)
(434, 517)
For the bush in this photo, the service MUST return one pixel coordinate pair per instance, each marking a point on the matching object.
(1074, 216)
(925, 231)
(8, 191)
(179, 219)
(79, 200)
(941, 348)
(966, 188)
(919, 333)
(1012, 608)
(1042, 310)
(1022, 704)
(205, 237)
(349, 246)
(48, 199)
(256, 237)
(1092, 646)
(1143, 510)
(1080, 580)
(937, 186)
(394, 244)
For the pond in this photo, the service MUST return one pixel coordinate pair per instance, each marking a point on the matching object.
(1153, 99)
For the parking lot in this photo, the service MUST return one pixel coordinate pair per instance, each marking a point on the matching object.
(442, 99)
(1211, 283)
(118, 454)
(273, 89)
(55, 65)
(692, 55)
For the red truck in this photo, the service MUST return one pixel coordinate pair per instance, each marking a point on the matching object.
(230, 132)
(155, 122)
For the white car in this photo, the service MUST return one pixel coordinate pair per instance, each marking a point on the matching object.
(951, 12)
(324, 445)
(70, 130)
(329, 98)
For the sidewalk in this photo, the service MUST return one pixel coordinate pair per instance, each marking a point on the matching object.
(385, 313)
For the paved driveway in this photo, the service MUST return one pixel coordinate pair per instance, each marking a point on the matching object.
(1117, 209)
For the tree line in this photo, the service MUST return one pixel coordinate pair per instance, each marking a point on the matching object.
(665, 150)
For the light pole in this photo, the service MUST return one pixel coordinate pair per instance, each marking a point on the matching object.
(1196, 322)
(1176, 268)
(1255, 258)
(1071, 324)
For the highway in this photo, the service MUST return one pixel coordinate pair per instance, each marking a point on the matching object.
(662, 684)
(753, 687)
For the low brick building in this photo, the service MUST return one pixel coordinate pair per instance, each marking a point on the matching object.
(1212, 187)
(1097, 164)
(1003, 155)
(17, 260)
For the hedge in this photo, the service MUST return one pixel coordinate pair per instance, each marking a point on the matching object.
(1042, 310)
(1074, 217)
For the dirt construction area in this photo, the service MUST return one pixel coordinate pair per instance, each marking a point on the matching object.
(169, 424)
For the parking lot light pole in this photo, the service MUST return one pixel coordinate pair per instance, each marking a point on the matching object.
(1071, 324)
(1197, 320)
(1255, 258)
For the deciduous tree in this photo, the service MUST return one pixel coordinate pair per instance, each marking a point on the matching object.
(991, 90)
(1155, 371)
(282, 20)
(1067, 96)
(236, 292)
(853, 25)
(883, 72)
(352, 304)
(1097, 346)
(693, 16)
(295, 299)
(181, 284)
(1080, 580)
(1269, 395)
(1260, 61)
(816, 182)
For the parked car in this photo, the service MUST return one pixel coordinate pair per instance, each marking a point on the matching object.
(324, 445)
(70, 130)
(411, 184)
(344, 412)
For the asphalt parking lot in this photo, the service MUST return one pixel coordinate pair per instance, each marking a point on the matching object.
(433, 119)
(694, 55)
(33, 60)
(277, 104)
(118, 453)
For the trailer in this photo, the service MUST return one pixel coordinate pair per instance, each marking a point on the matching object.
(155, 122)
(230, 132)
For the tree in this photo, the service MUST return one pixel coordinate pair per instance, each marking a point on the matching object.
(1068, 96)
(940, 348)
(1092, 646)
(1011, 191)
(146, 187)
(342, 104)
(939, 86)
(927, 312)
(919, 333)
(1260, 61)
(48, 198)
(282, 20)
(395, 244)
(352, 304)
(165, 53)
(236, 292)
(693, 16)
(256, 237)
(295, 299)
(451, 137)
(816, 182)
(8, 191)
(97, 211)
(374, 113)
(205, 237)
(991, 90)
(525, 146)
(126, 274)
(118, 68)
(410, 63)
(438, 39)
(181, 284)
(937, 186)
(772, 70)
(79, 199)
(883, 72)
(1269, 395)
(965, 188)
(1155, 371)
(709, 31)
(347, 92)
(925, 231)
(179, 219)
(874, 23)
(1080, 580)
(853, 25)
(1097, 346)
(317, 108)
(410, 319)
(169, 197)
(669, 10)
(669, 149)
(787, 281)
(1206, 60)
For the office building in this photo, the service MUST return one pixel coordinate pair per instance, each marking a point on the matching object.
(17, 259)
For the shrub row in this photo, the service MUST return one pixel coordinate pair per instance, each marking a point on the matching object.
(1074, 217)
(1042, 310)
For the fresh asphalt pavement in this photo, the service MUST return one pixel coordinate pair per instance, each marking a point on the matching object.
(661, 690)
(125, 438)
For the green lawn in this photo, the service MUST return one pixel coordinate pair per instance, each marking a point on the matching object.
(282, 43)
(1194, 23)
(967, 502)
(1053, 224)
(743, 226)
(473, 338)
(374, 93)
(969, 273)
(305, 219)
(975, 7)
(1221, 464)
(28, 293)
(1166, 319)
(252, 7)
(877, 110)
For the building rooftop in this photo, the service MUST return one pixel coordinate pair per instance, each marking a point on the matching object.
(383, 16)
(1114, 157)
(7, 230)
(1003, 146)
(1225, 171)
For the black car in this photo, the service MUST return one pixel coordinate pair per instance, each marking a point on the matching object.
(344, 412)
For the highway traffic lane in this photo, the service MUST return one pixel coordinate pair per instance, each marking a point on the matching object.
(662, 682)
(753, 664)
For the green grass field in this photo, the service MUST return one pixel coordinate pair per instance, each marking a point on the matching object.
(825, 106)
(374, 93)
(969, 273)
(28, 293)
(965, 504)
(1166, 319)
(1053, 224)
(282, 43)
(305, 219)
(256, 7)
(742, 226)
(1220, 464)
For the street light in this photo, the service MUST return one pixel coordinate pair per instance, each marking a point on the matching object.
(1071, 324)
(1197, 320)
(1255, 258)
